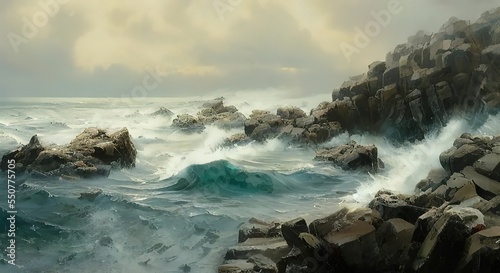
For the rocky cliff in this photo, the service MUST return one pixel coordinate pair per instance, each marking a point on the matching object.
(424, 83)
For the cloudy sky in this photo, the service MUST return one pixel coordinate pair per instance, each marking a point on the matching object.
(92, 48)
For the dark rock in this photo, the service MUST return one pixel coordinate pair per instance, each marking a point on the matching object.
(92, 153)
(24, 156)
(487, 188)
(357, 244)
(481, 252)
(292, 229)
(489, 165)
(342, 219)
(390, 205)
(455, 160)
(255, 228)
(443, 246)
(351, 157)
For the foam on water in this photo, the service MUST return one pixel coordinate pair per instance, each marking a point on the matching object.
(139, 208)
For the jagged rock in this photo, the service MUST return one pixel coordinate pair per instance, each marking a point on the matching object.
(357, 244)
(255, 228)
(263, 125)
(164, 112)
(489, 187)
(320, 133)
(236, 266)
(237, 139)
(290, 112)
(342, 219)
(24, 156)
(188, 124)
(272, 248)
(489, 165)
(92, 153)
(456, 159)
(481, 252)
(443, 246)
(292, 229)
(390, 205)
(393, 237)
(351, 157)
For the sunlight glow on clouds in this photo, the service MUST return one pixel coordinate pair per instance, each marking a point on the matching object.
(102, 47)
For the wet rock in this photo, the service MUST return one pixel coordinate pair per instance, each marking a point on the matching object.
(188, 124)
(255, 228)
(92, 153)
(24, 156)
(456, 159)
(236, 140)
(357, 244)
(342, 219)
(351, 157)
(488, 188)
(443, 246)
(481, 252)
(489, 165)
(292, 229)
(162, 112)
(391, 205)
(272, 248)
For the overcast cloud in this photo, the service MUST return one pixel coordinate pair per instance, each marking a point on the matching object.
(92, 48)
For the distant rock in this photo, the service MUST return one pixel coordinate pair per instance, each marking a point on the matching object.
(92, 153)
(351, 157)
(188, 124)
(162, 112)
(217, 114)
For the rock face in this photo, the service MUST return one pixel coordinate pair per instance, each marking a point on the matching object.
(92, 153)
(351, 157)
(423, 83)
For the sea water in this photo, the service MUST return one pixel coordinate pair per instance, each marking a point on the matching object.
(181, 206)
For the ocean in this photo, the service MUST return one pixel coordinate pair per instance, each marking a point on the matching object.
(181, 207)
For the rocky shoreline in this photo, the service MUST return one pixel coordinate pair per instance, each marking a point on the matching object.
(450, 224)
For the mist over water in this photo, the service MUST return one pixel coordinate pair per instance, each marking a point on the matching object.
(187, 196)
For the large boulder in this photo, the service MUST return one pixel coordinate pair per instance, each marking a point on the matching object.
(92, 153)
(481, 252)
(443, 246)
(351, 157)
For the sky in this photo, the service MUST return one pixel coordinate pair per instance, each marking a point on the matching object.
(172, 48)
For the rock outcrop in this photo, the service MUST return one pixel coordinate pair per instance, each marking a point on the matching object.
(351, 157)
(92, 153)
(212, 113)
(423, 83)
(290, 124)
(451, 224)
